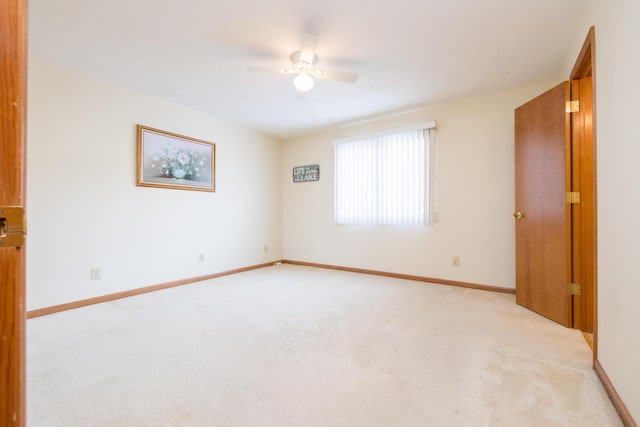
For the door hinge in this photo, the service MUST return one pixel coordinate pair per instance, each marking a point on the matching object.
(573, 197)
(573, 106)
(575, 289)
(13, 226)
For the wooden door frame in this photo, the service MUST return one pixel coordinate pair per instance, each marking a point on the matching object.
(585, 66)
(13, 81)
(586, 265)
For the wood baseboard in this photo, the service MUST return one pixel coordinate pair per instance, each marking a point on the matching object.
(623, 412)
(588, 337)
(111, 297)
(406, 276)
(621, 408)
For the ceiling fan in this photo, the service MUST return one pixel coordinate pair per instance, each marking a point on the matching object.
(303, 64)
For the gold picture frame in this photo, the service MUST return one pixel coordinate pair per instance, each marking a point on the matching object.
(169, 160)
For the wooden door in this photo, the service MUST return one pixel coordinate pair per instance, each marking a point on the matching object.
(12, 259)
(543, 234)
(583, 213)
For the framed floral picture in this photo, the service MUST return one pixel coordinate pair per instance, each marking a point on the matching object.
(169, 160)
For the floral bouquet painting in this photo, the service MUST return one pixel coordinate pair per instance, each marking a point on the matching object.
(174, 161)
(178, 162)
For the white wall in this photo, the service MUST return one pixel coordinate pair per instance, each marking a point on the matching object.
(475, 198)
(84, 209)
(618, 159)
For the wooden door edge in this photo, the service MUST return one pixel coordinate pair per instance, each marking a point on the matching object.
(13, 62)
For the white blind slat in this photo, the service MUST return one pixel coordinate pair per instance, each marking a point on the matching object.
(382, 179)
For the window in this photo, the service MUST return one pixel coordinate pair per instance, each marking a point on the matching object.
(385, 178)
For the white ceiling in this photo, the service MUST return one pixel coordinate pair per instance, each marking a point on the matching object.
(407, 52)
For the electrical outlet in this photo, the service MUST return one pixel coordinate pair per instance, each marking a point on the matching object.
(455, 261)
(200, 257)
(266, 249)
(95, 273)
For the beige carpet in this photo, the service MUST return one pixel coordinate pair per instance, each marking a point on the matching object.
(297, 346)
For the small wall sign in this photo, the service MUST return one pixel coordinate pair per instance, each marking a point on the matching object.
(306, 173)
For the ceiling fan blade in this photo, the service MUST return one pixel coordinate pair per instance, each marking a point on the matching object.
(308, 48)
(286, 70)
(341, 76)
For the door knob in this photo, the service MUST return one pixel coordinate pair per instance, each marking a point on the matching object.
(518, 215)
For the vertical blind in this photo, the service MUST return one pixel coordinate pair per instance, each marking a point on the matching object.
(382, 179)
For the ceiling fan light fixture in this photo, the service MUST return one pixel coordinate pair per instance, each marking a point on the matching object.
(303, 65)
(303, 82)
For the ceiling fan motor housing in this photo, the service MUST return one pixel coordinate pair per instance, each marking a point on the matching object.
(302, 65)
